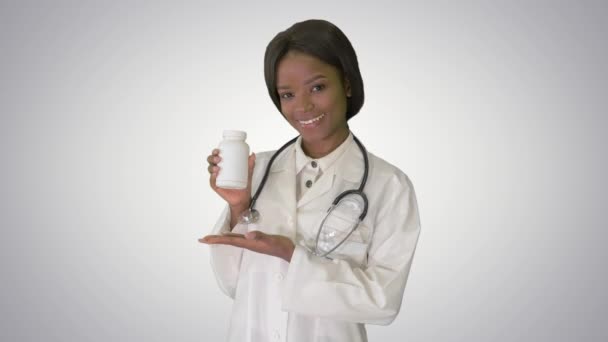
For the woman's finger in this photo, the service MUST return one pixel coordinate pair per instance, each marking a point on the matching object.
(254, 235)
(235, 240)
(213, 169)
(251, 163)
(218, 238)
(214, 159)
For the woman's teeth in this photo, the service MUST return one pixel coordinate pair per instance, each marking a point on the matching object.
(308, 122)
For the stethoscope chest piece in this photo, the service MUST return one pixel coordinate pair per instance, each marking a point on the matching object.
(249, 216)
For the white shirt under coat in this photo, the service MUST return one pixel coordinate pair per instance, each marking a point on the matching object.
(314, 299)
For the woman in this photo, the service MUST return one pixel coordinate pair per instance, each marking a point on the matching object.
(284, 286)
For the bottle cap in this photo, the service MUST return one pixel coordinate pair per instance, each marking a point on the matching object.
(235, 134)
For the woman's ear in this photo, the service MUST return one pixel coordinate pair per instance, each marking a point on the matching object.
(347, 88)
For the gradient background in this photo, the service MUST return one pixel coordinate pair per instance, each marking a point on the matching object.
(495, 110)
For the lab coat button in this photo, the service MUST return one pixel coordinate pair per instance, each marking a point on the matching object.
(308, 183)
(313, 163)
(276, 335)
(278, 277)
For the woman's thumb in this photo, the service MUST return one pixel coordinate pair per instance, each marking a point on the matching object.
(251, 161)
(254, 235)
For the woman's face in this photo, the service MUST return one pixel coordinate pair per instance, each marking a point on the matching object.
(313, 100)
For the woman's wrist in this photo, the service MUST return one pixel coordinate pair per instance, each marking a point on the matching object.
(289, 253)
(238, 209)
(235, 214)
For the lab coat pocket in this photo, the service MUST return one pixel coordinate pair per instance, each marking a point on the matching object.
(338, 225)
(354, 248)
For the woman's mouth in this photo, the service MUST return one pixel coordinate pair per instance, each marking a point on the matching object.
(312, 122)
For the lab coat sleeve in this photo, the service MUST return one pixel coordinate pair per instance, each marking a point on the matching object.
(372, 294)
(225, 259)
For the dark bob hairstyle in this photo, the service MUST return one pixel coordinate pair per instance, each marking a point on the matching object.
(325, 41)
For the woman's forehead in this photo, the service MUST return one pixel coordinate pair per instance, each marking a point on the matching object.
(301, 68)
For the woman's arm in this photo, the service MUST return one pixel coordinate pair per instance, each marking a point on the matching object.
(226, 260)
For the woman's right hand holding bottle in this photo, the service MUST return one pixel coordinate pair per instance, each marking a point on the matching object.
(237, 199)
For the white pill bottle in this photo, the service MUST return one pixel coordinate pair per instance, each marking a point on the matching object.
(234, 169)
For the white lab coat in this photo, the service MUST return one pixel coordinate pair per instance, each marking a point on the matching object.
(313, 299)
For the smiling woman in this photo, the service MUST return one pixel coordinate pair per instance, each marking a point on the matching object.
(302, 272)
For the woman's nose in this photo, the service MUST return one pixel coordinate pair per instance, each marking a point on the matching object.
(304, 104)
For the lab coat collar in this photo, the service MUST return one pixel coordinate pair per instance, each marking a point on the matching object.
(325, 162)
(348, 167)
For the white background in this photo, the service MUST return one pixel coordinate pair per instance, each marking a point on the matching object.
(495, 110)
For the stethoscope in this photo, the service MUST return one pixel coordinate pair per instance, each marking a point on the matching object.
(252, 215)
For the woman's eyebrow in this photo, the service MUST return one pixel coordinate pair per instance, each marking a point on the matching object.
(310, 80)
(314, 78)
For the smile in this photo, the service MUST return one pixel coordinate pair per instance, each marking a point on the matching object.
(308, 122)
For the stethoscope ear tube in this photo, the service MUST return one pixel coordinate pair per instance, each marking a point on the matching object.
(362, 216)
(365, 163)
(333, 206)
(351, 192)
(267, 172)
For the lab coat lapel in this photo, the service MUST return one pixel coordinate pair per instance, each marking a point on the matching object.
(283, 191)
(349, 167)
(319, 188)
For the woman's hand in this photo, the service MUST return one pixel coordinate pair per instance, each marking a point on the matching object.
(275, 245)
(237, 199)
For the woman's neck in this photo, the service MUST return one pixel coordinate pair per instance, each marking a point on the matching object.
(324, 147)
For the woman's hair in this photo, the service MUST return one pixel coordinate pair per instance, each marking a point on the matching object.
(325, 41)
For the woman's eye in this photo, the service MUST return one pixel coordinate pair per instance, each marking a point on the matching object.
(285, 95)
(318, 87)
